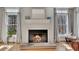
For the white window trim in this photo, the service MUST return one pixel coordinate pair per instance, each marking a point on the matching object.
(11, 9)
(63, 11)
(6, 21)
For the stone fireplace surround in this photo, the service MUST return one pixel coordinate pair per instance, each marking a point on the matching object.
(37, 24)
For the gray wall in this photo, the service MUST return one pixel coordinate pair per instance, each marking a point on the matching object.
(77, 10)
(75, 22)
(27, 11)
(1, 18)
(71, 21)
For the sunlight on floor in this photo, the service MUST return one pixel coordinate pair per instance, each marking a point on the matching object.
(5, 47)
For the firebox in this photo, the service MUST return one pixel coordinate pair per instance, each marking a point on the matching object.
(38, 36)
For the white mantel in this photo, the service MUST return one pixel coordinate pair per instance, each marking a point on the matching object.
(38, 21)
(32, 24)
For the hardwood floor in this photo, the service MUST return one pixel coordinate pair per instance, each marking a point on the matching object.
(19, 47)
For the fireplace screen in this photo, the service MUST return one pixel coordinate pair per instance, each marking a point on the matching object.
(38, 36)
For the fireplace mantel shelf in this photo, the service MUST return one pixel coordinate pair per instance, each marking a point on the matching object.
(36, 21)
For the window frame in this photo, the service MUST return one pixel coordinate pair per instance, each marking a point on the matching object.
(7, 24)
(11, 25)
(61, 12)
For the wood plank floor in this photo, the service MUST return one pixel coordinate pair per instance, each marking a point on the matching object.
(18, 47)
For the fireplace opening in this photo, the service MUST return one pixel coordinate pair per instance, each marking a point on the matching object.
(38, 36)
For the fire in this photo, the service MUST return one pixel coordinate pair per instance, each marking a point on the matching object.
(37, 38)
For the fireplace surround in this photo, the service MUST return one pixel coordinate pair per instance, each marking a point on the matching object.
(38, 36)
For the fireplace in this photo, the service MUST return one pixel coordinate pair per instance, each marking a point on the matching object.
(38, 36)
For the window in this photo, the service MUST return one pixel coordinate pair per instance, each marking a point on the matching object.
(12, 19)
(62, 21)
(12, 24)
